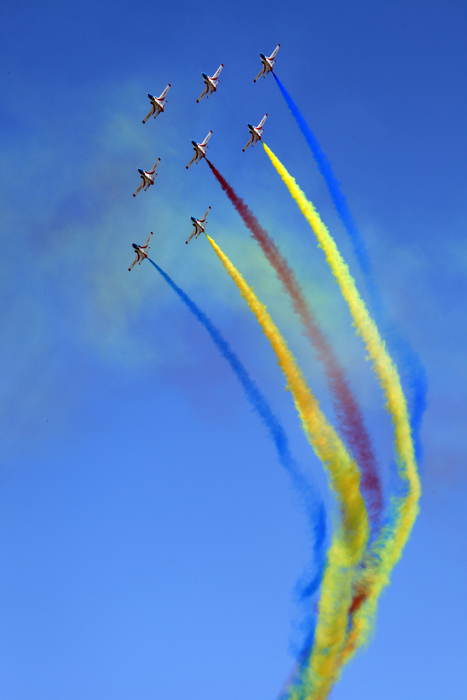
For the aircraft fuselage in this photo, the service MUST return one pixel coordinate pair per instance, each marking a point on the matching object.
(148, 180)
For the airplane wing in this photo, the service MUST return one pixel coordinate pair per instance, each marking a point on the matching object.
(192, 160)
(217, 73)
(151, 172)
(206, 139)
(263, 68)
(203, 93)
(146, 244)
(260, 125)
(205, 216)
(274, 52)
(153, 109)
(249, 142)
(133, 263)
(164, 93)
(139, 188)
(191, 236)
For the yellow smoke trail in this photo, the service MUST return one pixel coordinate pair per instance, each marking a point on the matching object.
(388, 549)
(351, 536)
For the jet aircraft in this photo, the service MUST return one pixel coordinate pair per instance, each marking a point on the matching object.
(157, 104)
(141, 252)
(200, 150)
(211, 83)
(198, 224)
(268, 62)
(147, 177)
(255, 132)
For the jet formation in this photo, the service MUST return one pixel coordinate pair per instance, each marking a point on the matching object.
(158, 106)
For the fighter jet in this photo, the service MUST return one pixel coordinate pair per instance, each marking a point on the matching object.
(147, 177)
(198, 224)
(141, 252)
(255, 132)
(268, 62)
(200, 150)
(157, 104)
(211, 83)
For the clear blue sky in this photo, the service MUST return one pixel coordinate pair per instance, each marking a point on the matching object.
(150, 541)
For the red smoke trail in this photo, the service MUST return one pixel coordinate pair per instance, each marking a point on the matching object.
(349, 418)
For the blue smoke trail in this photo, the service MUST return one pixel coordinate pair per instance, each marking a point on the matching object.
(313, 504)
(407, 359)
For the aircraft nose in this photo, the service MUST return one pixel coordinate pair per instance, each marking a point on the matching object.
(262, 55)
(193, 219)
(194, 143)
(249, 126)
(140, 171)
(134, 245)
(151, 97)
(204, 75)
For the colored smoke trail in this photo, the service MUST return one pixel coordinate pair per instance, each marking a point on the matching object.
(407, 359)
(313, 504)
(349, 418)
(351, 536)
(387, 549)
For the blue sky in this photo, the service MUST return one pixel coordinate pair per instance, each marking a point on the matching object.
(150, 541)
